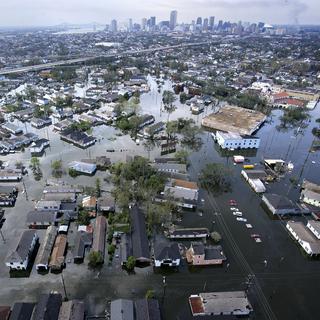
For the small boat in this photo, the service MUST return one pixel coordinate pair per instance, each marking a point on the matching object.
(258, 240)
(254, 235)
(233, 209)
(242, 219)
(237, 213)
(249, 226)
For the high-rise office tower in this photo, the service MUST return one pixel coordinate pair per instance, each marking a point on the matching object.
(130, 25)
(144, 24)
(173, 19)
(211, 23)
(152, 22)
(199, 21)
(114, 26)
(205, 24)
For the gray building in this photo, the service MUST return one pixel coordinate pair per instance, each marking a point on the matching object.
(48, 307)
(22, 311)
(280, 205)
(147, 309)
(122, 309)
(19, 259)
(140, 243)
(72, 310)
(43, 257)
(173, 19)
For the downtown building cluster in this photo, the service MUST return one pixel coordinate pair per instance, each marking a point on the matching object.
(200, 24)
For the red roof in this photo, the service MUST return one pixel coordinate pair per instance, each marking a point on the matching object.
(280, 95)
(295, 102)
(196, 305)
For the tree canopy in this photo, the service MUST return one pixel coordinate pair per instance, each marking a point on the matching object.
(215, 177)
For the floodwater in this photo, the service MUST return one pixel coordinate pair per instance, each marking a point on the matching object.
(290, 281)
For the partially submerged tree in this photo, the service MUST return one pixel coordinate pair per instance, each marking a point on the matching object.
(215, 236)
(95, 259)
(56, 167)
(131, 262)
(215, 177)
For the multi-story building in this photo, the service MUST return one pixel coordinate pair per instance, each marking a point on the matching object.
(19, 259)
(230, 140)
(173, 19)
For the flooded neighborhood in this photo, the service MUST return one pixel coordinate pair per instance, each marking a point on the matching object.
(167, 173)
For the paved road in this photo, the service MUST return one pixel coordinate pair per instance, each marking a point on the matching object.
(88, 58)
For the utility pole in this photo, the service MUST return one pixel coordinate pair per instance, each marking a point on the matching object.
(64, 287)
(25, 190)
(248, 282)
(3, 239)
(164, 288)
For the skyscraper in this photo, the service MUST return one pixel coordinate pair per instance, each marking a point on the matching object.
(114, 26)
(205, 24)
(152, 22)
(173, 19)
(130, 25)
(199, 21)
(144, 24)
(211, 23)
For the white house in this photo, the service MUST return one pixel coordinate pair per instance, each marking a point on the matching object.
(310, 193)
(48, 205)
(83, 167)
(19, 259)
(309, 243)
(37, 147)
(10, 175)
(12, 128)
(314, 227)
(181, 189)
(310, 197)
(231, 140)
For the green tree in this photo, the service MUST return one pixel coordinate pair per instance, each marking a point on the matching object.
(149, 294)
(215, 236)
(316, 132)
(34, 163)
(293, 117)
(215, 177)
(19, 165)
(168, 98)
(95, 259)
(83, 217)
(182, 156)
(56, 167)
(131, 263)
(73, 173)
(183, 97)
(98, 187)
(111, 249)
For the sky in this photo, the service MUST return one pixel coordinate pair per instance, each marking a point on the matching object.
(53, 12)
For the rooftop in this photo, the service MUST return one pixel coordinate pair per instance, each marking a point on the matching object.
(234, 119)
(219, 303)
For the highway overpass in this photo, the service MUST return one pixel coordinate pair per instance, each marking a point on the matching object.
(50, 65)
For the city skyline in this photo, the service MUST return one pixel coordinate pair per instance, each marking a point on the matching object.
(45, 13)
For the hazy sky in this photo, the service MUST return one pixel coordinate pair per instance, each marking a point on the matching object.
(51, 12)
